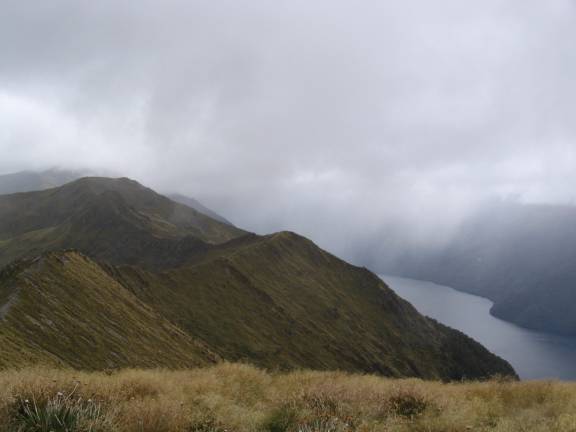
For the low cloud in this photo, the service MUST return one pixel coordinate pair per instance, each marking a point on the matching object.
(332, 118)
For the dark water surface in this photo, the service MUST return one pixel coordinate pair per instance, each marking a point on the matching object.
(534, 355)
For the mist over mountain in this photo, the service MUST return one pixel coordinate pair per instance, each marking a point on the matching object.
(27, 181)
(332, 119)
(197, 205)
(521, 256)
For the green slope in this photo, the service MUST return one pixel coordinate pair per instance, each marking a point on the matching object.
(280, 301)
(64, 309)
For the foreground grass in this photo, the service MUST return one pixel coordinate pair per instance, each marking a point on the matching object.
(232, 397)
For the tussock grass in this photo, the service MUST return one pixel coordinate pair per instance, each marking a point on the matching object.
(236, 397)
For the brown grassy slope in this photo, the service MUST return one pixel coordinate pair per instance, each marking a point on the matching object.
(231, 397)
(63, 309)
(280, 301)
(114, 220)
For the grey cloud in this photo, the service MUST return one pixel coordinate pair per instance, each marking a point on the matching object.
(333, 118)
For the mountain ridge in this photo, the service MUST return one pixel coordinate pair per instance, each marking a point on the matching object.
(277, 301)
(116, 219)
(29, 181)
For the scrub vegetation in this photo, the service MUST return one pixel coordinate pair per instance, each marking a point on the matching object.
(236, 397)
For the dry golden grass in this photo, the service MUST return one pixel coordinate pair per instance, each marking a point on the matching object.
(234, 397)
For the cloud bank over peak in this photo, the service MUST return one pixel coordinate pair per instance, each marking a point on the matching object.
(325, 117)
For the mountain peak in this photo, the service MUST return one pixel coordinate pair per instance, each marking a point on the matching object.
(101, 184)
(28, 181)
(116, 220)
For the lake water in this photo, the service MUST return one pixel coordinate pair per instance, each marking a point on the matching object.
(534, 355)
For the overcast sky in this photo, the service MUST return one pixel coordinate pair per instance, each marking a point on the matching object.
(322, 116)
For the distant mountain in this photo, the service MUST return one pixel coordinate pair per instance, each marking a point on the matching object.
(113, 220)
(152, 282)
(523, 257)
(27, 181)
(197, 205)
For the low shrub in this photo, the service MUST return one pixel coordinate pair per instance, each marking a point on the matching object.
(324, 424)
(228, 398)
(408, 404)
(208, 424)
(59, 414)
(282, 419)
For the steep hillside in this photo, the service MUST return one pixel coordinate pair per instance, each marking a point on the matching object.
(64, 309)
(281, 301)
(523, 257)
(114, 220)
(277, 301)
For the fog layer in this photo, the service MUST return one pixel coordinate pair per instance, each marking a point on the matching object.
(332, 118)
